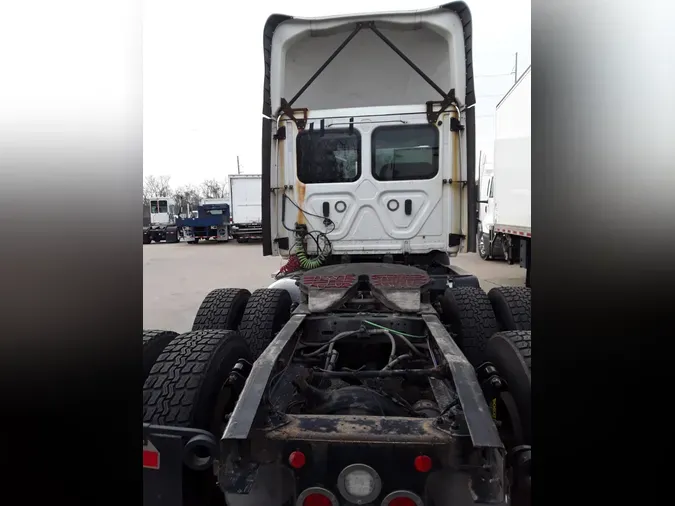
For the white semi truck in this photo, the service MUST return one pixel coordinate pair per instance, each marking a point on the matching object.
(246, 206)
(161, 225)
(373, 371)
(505, 226)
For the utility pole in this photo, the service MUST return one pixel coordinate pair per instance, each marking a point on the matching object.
(515, 72)
(238, 168)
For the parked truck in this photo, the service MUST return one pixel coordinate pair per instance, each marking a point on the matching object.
(373, 371)
(159, 221)
(505, 227)
(211, 223)
(245, 195)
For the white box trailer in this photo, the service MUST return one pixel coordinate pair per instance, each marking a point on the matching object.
(505, 228)
(246, 206)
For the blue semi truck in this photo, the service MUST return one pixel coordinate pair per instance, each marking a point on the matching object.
(212, 222)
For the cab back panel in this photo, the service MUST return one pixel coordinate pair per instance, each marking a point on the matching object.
(293, 53)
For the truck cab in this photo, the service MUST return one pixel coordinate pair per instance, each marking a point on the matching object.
(212, 221)
(380, 166)
(162, 210)
(163, 214)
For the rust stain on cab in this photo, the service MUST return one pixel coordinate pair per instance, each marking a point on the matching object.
(301, 199)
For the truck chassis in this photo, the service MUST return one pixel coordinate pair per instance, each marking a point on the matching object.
(477, 455)
(159, 233)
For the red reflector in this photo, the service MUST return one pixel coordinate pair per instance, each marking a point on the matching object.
(422, 464)
(150, 459)
(317, 500)
(401, 501)
(296, 460)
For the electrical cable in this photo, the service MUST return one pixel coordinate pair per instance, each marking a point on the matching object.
(396, 361)
(307, 262)
(393, 331)
(326, 345)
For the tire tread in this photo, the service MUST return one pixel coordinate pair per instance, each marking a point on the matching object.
(221, 309)
(512, 306)
(185, 372)
(267, 311)
(471, 319)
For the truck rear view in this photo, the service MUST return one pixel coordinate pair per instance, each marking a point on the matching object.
(373, 373)
(245, 195)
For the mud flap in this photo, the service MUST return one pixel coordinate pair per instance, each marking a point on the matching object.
(172, 234)
(166, 450)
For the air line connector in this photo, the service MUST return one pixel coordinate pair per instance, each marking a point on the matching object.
(301, 229)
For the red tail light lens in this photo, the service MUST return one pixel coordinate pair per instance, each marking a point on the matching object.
(402, 498)
(317, 496)
(423, 463)
(402, 501)
(296, 459)
(317, 500)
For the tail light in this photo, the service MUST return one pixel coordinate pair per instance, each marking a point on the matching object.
(423, 463)
(402, 498)
(297, 459)
(317, 496)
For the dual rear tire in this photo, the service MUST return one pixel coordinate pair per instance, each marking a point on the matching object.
(473, 316)
(495, 328)
(186, 384)
(258, 316)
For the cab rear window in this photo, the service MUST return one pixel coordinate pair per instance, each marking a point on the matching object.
(405, 152)
(331, 157)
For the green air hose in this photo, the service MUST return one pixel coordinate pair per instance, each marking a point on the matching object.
(301, 252)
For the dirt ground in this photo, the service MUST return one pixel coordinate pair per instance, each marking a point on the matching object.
(176, 277)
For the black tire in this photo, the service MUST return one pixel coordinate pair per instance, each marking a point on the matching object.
(510, 352)
(146, 238)
(154, 342)
(512, 306)
(184, 389)
(469, 314)
(483, 246)
(266, 313)
(221, 309)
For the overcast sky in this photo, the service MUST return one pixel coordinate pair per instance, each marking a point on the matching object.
(203, 70)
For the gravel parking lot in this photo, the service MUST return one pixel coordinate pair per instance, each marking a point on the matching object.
(176, 277)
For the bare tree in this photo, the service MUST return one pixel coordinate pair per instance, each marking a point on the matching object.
(184, 196)
(156, 186)
(212, 189)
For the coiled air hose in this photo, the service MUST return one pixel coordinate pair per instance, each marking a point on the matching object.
(301, 252)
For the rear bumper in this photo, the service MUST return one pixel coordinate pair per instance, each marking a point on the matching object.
(166, 450)
(359, 429)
